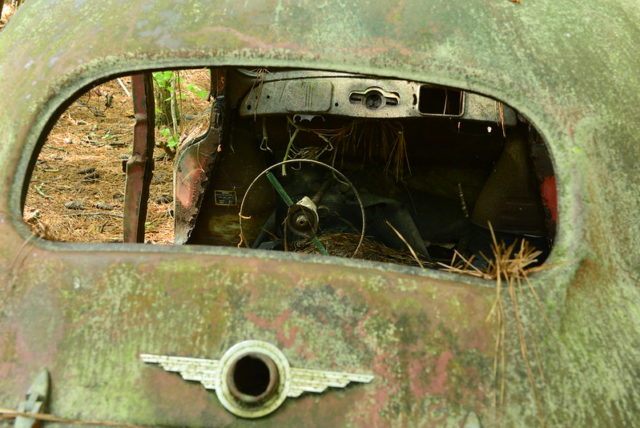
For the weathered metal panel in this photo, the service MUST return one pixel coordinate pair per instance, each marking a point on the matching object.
(87, 311)
(192, 170)
(426, 341)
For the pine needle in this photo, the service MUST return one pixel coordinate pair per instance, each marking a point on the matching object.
(509, 267)
(404, 241)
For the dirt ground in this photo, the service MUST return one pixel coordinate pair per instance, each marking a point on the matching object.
(76, 191)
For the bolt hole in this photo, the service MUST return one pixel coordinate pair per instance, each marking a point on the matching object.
(336, 104)
(251, 376)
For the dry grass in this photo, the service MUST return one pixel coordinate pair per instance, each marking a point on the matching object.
(406, 243)
(344, 244)
(195, 127)
(509, 268)
(376, 142)
(366, 141)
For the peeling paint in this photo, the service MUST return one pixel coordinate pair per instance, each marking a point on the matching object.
(576, 81)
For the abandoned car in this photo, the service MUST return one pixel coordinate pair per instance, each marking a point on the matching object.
(387, 219)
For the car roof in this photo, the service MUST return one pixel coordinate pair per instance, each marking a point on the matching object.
(579, 55)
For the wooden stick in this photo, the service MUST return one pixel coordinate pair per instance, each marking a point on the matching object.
(9, 413)
(124, 88)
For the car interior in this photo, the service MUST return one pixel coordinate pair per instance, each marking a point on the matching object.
(353, 166)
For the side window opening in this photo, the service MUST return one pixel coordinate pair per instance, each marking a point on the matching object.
(306, 161)
(77, 187)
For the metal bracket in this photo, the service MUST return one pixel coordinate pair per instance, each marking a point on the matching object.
(35, 401)
(140, 164)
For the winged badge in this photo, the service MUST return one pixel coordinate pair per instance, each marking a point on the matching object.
(253, 378)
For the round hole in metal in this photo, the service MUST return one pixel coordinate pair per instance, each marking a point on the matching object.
(253, 378)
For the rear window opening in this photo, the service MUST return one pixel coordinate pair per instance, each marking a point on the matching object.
(294, 160)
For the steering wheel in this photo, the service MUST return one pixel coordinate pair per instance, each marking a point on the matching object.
(302, 216)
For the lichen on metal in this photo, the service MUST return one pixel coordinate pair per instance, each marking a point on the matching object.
(87, 311)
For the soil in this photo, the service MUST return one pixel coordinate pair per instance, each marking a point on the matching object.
(76, 191)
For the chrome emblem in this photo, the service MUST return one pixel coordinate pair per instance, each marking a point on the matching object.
(253, 378)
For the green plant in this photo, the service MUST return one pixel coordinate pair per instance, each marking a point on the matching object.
(197, 91)
(169, 80)
(163, 78)
(167, 110)
(168, 86)
(172, 140)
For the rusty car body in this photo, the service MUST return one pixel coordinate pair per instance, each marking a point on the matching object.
(86, 312)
